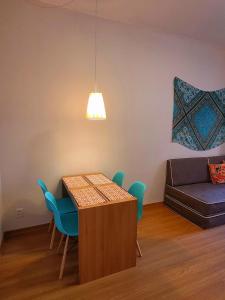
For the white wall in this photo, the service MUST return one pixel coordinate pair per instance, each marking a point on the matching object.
(46, 74)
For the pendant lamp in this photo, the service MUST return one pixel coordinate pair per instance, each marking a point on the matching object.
(96, 106)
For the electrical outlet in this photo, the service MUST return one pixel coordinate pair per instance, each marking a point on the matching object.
(19, 212)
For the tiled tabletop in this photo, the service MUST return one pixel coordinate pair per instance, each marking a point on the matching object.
(94, 189)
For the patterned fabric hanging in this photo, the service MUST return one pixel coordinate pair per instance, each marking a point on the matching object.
(198, 117)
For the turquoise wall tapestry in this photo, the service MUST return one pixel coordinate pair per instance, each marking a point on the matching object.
(198, 117)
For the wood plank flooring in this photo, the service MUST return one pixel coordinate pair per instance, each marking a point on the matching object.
(180, 261)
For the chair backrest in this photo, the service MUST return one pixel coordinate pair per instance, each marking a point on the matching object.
(42, 185)
(137, 189)
(57, 218)
(118, 178)
(44, 189)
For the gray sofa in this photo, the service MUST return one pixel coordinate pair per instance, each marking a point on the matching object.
(189, 191)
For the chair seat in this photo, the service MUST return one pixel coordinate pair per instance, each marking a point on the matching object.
(66, 205)
(70, 224)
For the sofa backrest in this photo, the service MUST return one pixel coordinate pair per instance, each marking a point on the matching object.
(190, 170)
(187, 171)
(216, 159)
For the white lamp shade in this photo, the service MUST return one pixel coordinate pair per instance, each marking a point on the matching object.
(96, 107)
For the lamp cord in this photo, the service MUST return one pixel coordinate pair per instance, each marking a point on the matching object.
(45, 5)
(95, 46)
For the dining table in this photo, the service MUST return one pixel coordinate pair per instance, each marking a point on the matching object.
(107, 225)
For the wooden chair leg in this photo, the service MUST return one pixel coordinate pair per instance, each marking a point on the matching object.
(60, 242)
(63, 258)
(138, 249)
(50, 224)
(52, 238)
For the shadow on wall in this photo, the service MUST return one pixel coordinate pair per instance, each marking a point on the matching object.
(159, 176)
(35, 213)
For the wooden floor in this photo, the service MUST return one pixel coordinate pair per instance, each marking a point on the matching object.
(180, 261)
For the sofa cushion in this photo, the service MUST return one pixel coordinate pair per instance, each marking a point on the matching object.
(187, 171)
(217, 173)
(206, 198)
(195, 217)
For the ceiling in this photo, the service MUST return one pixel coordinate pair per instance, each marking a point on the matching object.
(199, 19)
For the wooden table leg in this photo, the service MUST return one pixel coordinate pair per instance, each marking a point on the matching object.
(107, 239)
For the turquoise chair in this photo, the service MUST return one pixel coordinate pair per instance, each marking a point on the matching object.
(67, 224)
(137, 189)
(118, 178)
(64, 205)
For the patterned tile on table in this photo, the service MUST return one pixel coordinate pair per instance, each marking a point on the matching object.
(114, 193)
(87, 197)
(98, 179)
(75, 182)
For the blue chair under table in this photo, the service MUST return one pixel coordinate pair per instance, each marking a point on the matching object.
(118, 178)
(67, 224)
(64, 205)
(137, 189)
